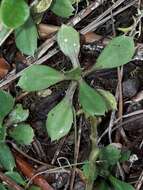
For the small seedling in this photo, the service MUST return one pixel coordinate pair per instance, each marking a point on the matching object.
(94, 102)
(14, 126)
(108, 157)
(19, 17)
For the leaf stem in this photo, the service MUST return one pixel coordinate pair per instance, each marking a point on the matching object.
(87, 72)
(93, 154)
(71, 90)
(6, 36)
(75, 61)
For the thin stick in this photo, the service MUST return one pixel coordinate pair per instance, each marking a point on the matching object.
(10, 183)
(6, 36)
(139, 116)
(93, 25)
(61, 143)
(139, 183)
(49, 171)
(75, 20)
(14, 76)
(76, 152)
(27, 156)
(120, 113)
(116, 95)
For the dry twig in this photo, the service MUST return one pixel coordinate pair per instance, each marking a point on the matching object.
(10, 183)
(49, 43)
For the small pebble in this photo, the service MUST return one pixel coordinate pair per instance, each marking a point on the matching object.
(79, 185)
(130, 87)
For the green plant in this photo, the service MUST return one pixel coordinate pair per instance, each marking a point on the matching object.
(15, 15)
(15, 127)
(108, 157)
(94, 103)
(21, 18)
(59, 120)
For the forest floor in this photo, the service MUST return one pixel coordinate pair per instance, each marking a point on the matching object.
(123, 127)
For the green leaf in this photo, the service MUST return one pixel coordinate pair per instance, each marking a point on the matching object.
(60, 119)
(91, 101)
(125, 155)
(110, 100)
(119, 51)
(110, 154)
(62, 8)
(120, 185)
(42, 6)
(33, 187)
(86, 171)
(2, 187)
(22, 133)
(26, 37)
(15, 176)
(6, 104)
(2, 133)
(69, 42)
(4, 33)
(6, 157)
(18, 114)
(103, 186)
(73, 74)
(39, 77)
(14, 12)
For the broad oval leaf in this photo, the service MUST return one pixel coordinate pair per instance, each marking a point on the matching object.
(110, 100)
(18, 114)
(26, 37)
(22, 134)
(69, 42)
(62, 8)
(91, 101)
(6, 104)
(120, 185)
(3, 133)
(15, 176)
(14, 12)
(60, 119)
(119, 51)
(110, 154)
(6, 157)
(39, 77)
(42, 6)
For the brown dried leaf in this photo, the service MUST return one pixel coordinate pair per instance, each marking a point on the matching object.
(45, 30)
(4, 67)
(29, 172)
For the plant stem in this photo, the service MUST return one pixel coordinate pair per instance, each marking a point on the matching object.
(93, 154)
(75, 61)
(87, 72)
(71, 90)
(6, 35)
